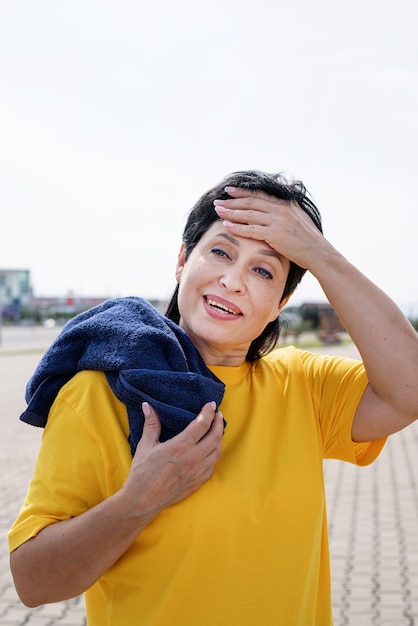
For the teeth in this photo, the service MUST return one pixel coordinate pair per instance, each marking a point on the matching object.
(221, 306)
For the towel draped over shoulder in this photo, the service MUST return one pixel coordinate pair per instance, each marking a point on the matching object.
(145, 356)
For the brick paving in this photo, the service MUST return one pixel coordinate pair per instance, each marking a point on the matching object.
(372, 513)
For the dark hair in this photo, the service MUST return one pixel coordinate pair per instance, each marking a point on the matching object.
(203, 215)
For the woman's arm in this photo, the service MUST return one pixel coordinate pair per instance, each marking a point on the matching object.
(386, 340)
(67, 557)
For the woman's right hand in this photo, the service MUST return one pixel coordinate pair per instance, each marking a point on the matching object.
(67, 557)
(163, 473)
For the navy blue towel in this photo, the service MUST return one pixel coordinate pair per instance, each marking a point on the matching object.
(145, 356)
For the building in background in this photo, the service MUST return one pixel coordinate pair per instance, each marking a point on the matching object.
(318, 317)
(19, 305)
(15, 293)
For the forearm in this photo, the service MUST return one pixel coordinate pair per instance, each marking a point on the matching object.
(67, 557)
(387, 342)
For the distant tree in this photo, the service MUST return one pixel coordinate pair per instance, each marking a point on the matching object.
(310, 316)
(414, 324)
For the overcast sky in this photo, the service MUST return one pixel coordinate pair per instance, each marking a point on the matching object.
(115, 116)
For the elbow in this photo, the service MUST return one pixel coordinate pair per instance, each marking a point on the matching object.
(26, 586)
(27, 600)
(38, 579)
(27, 595)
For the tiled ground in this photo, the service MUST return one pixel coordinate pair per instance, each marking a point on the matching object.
(373, 520)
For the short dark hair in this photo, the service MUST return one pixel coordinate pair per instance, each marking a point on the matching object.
(203, 215)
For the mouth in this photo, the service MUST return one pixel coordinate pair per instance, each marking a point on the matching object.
(222, 307)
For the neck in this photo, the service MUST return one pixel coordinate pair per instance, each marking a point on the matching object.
(214, 356)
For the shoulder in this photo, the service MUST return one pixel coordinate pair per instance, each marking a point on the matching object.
(85, 379)
(84, 387)
(312, 365)
(283, 356)
(284, 360)
(88, 396)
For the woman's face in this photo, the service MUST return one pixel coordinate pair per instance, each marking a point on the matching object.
(229, 290)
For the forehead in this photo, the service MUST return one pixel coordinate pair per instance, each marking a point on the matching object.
(218, 230)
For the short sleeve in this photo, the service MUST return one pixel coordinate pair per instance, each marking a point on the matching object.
(337, 385)
(74, 470)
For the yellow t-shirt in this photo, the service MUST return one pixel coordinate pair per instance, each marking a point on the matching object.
(250, 546)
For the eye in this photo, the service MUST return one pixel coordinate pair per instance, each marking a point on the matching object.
(261, 271)
(220, 253)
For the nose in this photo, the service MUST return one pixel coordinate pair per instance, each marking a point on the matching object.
(232, 279)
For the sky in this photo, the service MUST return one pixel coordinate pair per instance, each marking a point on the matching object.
(116, 115)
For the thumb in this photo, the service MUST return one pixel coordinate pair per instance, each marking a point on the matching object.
(152, 424)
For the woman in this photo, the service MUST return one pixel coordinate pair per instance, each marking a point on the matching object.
(214, 526)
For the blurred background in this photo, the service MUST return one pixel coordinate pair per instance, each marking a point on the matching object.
(116, 116)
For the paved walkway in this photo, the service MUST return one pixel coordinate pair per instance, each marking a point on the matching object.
(373, 513)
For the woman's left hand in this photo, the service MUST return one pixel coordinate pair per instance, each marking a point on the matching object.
(281, 224)
(387, 342)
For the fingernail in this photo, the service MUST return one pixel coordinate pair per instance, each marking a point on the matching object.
(146, 409)
(218, 202)
(230, 189)
(213, 405)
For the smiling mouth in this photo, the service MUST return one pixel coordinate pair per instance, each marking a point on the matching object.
(222, 307)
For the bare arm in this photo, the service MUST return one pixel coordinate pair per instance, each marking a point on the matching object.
(388, 345)
(67, 557)
(385, 339)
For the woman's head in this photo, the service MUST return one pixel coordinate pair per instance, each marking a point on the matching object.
(203, 215)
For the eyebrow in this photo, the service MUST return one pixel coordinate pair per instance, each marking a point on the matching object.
(264, 251)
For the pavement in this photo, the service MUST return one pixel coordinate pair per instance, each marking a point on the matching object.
(372, 511)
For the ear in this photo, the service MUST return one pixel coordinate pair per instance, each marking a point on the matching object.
(284, 302)
(281, 306)
(181, 261)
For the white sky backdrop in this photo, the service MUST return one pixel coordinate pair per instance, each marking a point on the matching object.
(115, 116)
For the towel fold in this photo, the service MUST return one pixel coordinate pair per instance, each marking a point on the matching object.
(145, 356)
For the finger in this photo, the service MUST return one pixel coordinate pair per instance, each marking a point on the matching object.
(201, 425)
(210, 446)
(247, 204)
(152, 425)
(251, 231)
(217, 427)
(242, 216)
(250, 198)
(241, 192)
